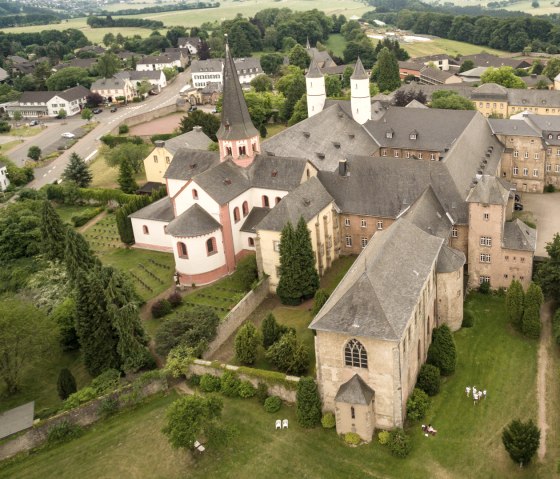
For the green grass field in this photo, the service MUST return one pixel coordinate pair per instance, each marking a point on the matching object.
(105, 176)
(337, 44)
(5, 147)
(451, 47)
(468, 443)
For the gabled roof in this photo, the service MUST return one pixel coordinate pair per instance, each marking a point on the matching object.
(3, 74)
(450, 260)
(359, 71)
(519, 236)
(236, 122)
(276, 172)
(415, 104)
(224, 181)
(256, 215)
(379, 294)
(194, 140)
(74, 93)
(490, 90)
(435, 74)
(489, 190)
(488, 60)
(212, 65)
(37, 96)
(187, 163)
(160, 210)
(306, 200)
(512, 127)
(355, 391)
(428, 214)
(193, 222)
(140, 75)
(108, 84)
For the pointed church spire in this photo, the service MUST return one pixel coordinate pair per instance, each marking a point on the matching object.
(359, 71)
(314, 70)
(236, 121)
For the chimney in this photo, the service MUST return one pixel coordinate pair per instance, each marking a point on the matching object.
(159, 143)
(197, 128)
(342, 167)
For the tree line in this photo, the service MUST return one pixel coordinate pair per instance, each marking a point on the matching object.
(109, 21)
(162, 8)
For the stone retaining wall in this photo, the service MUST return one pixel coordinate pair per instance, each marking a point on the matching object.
(149, 116)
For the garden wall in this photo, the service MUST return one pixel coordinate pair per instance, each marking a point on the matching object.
(279, 384)
(237, 315)
(149, 116)
(83, 415)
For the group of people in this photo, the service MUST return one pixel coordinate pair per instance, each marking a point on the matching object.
(428, 430)
(476, 394)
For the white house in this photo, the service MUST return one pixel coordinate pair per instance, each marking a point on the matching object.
(165, 60)
(156, 78)
(189, 43)
(211, 71)
(33, 104)
(4, 181)
(113, 88)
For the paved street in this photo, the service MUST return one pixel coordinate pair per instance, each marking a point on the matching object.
(88, 146)
(545, 208)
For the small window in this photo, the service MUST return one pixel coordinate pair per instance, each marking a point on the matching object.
(536, 156)
(167, 160)
(525, 171)
(155, 159)
(432, 156)
(276, 246)
(242, 151)
(384, 152)
(265, 201)
(352, 412)
(251, 243)
(195, 194)
(454, 233)
(515, 171)
(486, 216)
(236, 215)
(346, 221)
(536, 172)
(277, 200)
(245, 208)
(348, 241)
(211, 247)
(485, 241)
(526, 155)
(229, 151)
(182, 250)
(363, 223)
(484, 279)
(145, 230)
(516, 154)
(364, 242)
(380, 225)
(420, 155)
(484, 258)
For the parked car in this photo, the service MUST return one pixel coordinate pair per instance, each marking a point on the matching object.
(518, 207)
(97, 111)
(68, 135)
(517, 197)
(33, 122)
(113, 109)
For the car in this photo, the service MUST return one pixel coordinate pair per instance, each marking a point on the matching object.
(97, 111)
(113, 109)
(518, 207)
(33, 122)
(68, 135)
(517, 197)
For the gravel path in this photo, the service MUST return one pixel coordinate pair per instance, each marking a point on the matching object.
(543, 361)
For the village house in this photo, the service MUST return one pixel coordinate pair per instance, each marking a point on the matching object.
(191, 44)
(37, 104)
(156, 78)
(166, 60)
(4, 180)
(205, 72)
(114, 89)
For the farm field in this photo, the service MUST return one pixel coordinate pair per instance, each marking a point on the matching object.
(468, 443)
(451, 47)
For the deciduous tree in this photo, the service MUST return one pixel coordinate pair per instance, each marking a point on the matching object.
(209, 123)
(504, 76)
(521, 440)
(34, 153)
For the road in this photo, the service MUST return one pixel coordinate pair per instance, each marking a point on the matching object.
(87, 147)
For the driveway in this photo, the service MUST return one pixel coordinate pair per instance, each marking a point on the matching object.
(546, 210)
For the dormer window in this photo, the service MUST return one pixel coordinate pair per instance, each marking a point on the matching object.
(389, 134)
(550, 137)
(413, 135)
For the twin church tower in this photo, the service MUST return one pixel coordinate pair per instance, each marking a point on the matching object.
(360, 96)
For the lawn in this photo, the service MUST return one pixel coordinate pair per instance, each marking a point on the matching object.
(25, 131)
(337, 44)
(5, 147)
(450, 47)
(66, 212)
(39, 381)
(274, 129)
(105, 176)
(468, 445)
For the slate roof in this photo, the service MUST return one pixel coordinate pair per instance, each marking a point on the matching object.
(3, 74)
(77, 62)
(475, 72)
(450, 260)
(488, 60)
(187, 163)
(168, 57)
(224, 181)
(435, 74)
(193, 222)
(195, 140)
(378, 295)
(428, 214)
(322, 58)
(512, 127)
(355, 391)
(212, 65)
(416, 104)
(519, 236)
(534, 80)
(74, 93)
(160, 210)
(236, 122)
(306, 200)
(140, 75)
(276, 172)
(108, 84)
(489, 190)
(359, 71)
(541, 98)
(314, 71)
(256, 215)
(411, 65)
(490, 91)
(309, 138)
(36, 96)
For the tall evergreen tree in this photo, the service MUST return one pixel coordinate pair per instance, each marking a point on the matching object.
(126, 178)
(308, 276)
(514, 303)
(442, 352)
(521, 440)
(388, 77)
(308, 403)
(531, 322)
(287, 289)
(77, 254)
(548, 274)
(53, 232)
(77, 171)
(271, 331)
(246, 343)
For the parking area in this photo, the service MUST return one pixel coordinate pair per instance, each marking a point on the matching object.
(546, 210)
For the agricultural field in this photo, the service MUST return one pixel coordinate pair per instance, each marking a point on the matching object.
(546, 6)
(450, 47)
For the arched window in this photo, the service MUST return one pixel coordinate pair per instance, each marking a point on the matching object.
(251, 242)
(355, 354)
(182, 250)
(265, 202)
(278, 199)
(195, 194)
(236, 216)
(211, 247)
(145, 230)
(245, 208)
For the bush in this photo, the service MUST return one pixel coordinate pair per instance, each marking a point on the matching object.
(5, 127)
(162, 137)
(83, 395)
(352, 439)
(230, 385)
(442, 352)
(272, 404)
(246, 343)
(108, 406)
(161, 308)
(417, 405)
(112, 141)
(123, 129)
(468, 319)
(209, 383)
(549, 188)
(383, 437)
(328, 420)
(247, 272)
(399, 443)
(308, 403)
(271, 331)
(246, 390)
(484, 287)
(289, 355)
(108, 380)
(556, 326)
(84, 217)
(175, 300)
(64, 431)
(320, 299)
(262, 392)
(429, 379)
(193, 380)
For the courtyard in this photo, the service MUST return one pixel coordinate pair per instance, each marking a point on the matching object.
(544, 209)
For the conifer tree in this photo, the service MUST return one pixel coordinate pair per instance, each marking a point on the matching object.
(387, 71)
(308, 403)
(53, 232)
(287, 289)
(514, 303)
(77, 254)
(442, 352)
(521, 440)
(531, 322)
(66, 384)
(126, 178)
(77, 171)
(246, 343)
(308, 280)
(271, 331)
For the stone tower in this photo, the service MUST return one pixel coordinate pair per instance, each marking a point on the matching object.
(360, 97)
(316, 91)
(238, 139)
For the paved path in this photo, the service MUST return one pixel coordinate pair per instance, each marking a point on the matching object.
(542, 371)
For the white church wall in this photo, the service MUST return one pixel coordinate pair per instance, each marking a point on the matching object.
(151, 234)
(198, 260)
(185, 200)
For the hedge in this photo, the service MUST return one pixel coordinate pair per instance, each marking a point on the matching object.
(162, 137)
(85, 216)
(100, 195)
(272, 404)
(111, 141)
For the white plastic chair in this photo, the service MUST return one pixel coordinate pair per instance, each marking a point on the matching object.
(196, 444)
(285, 424)
(278, 424)
(201, 448)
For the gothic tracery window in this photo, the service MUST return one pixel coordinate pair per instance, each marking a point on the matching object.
(355, 354)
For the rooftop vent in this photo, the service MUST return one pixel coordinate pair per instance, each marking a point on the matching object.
(193, 166)
(306, 201)
(227, 181)
(270, 153)
(274, 173)
(321, 156)
(340, 114)
(306, 134)
(351, 136)
(336, 144)
(487, 155)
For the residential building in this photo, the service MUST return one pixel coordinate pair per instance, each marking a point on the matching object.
(192, 44)
(488, 60)
(410, 68)
(204, 72)
(156, 78)
(36, 104)
(434, 76)
(165, 60)
(443, 62)
(321, 57)
(114, 89)
(4, 180)
(535, 81)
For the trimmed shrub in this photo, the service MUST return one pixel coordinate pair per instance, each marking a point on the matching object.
(417, 405)
(108, 380)
(161, 308)
(84, 217)
(328, 420)
(64, 431)
(531, 322)
(247, 272)
(193, 380)
(399, 443)
(175, 300)
(468, 319)
(320, 299)
(383, 437)
(442, 352)
(108, 407)
(112, 141)
(209, 383)
(246, 343)
(123, 129)
(429, 379)
(230, 385)
(308, 403)
(289, 355)
(272, 404)
(352, 439)
(262, 392)
(66, 384)
(246, 390)
(271, 331)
